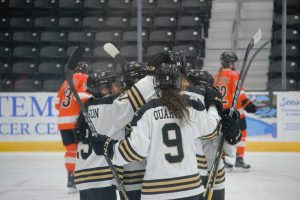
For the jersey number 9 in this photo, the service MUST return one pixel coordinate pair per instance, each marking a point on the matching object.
(173, 142)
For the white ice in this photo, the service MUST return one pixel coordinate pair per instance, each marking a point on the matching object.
(41, 176)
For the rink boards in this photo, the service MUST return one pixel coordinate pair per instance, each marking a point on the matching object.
(28, 122)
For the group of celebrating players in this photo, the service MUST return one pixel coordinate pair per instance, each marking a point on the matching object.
(160, 129)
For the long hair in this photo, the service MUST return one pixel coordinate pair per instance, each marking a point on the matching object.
(175, 102)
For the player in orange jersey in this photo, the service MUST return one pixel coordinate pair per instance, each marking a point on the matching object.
(226, 80)
(68, 111)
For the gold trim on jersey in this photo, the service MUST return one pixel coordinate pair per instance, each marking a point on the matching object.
(220, 178)
(96, 174)
(135, 98)
(177, 184)
(128, 152)
(214, 134)
(133, 177)
(201, 162)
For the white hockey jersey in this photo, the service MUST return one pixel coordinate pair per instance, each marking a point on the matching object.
(206, 148)
(168, 145)
(109, 116)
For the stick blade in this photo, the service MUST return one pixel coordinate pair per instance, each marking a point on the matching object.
(111, 49)
(257, 36)
(75, 57)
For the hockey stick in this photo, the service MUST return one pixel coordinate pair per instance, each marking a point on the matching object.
(243, 73)
(74, 59)
(114, 53)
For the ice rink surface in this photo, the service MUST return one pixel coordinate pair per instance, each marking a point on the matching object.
(41, 176)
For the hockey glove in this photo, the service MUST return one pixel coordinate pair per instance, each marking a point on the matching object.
(213, 97)
(230, 126)
(249, 106)
(80, 128)
(103, 145)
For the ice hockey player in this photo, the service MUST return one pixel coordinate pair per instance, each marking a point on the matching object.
(132, 72)
(68, 111)
(110, 115)
(225, 80)
(158, 127)
(206, 151)
(163, 132)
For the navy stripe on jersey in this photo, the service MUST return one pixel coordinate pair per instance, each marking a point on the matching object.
(135, 98)
(201, 162)
(161, 186)
(96, 174)
(133, 177)
(93, 175)
(220, 178)
(127, 152)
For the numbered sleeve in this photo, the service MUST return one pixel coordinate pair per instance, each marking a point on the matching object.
(135, 147)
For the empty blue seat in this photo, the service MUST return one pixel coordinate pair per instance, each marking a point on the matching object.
(93, 23)
(45, 23)
(48, 67)
(80, 37)
(52, 52)
(69, 23)
(21, 23)
(53, 37)
(24, 67)
(25, 37)
(27, 85)
(25, 52)
(52, 85)
(108, 36)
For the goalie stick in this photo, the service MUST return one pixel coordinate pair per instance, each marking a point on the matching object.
(73, 60)
(243, 73)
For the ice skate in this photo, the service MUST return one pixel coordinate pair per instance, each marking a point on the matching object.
(71, 184)
(228, 167)
(241, 166)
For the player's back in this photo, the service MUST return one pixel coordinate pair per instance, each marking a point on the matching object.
(226, 80)
(171, 170)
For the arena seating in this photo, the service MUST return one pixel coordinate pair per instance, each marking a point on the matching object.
(37, 36)
(292, 46)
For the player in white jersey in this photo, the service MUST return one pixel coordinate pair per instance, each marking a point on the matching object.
(163, 132)
(205, 155)
(133, 172)
(109, 115)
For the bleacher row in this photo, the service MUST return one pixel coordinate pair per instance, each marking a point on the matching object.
(293, 44)
(37, 36)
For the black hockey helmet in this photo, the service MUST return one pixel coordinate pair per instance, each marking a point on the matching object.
(155, 61)
(132, 72)
(167, 76)
(226, 59)
(81, 67)
(200, 77)
(234, 57)
(98, 80)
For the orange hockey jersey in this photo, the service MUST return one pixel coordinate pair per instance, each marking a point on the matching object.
(68, 109)
(226, 81)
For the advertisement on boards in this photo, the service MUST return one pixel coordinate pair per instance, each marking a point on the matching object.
(28, 117)
(288, 105)
(262, 125)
